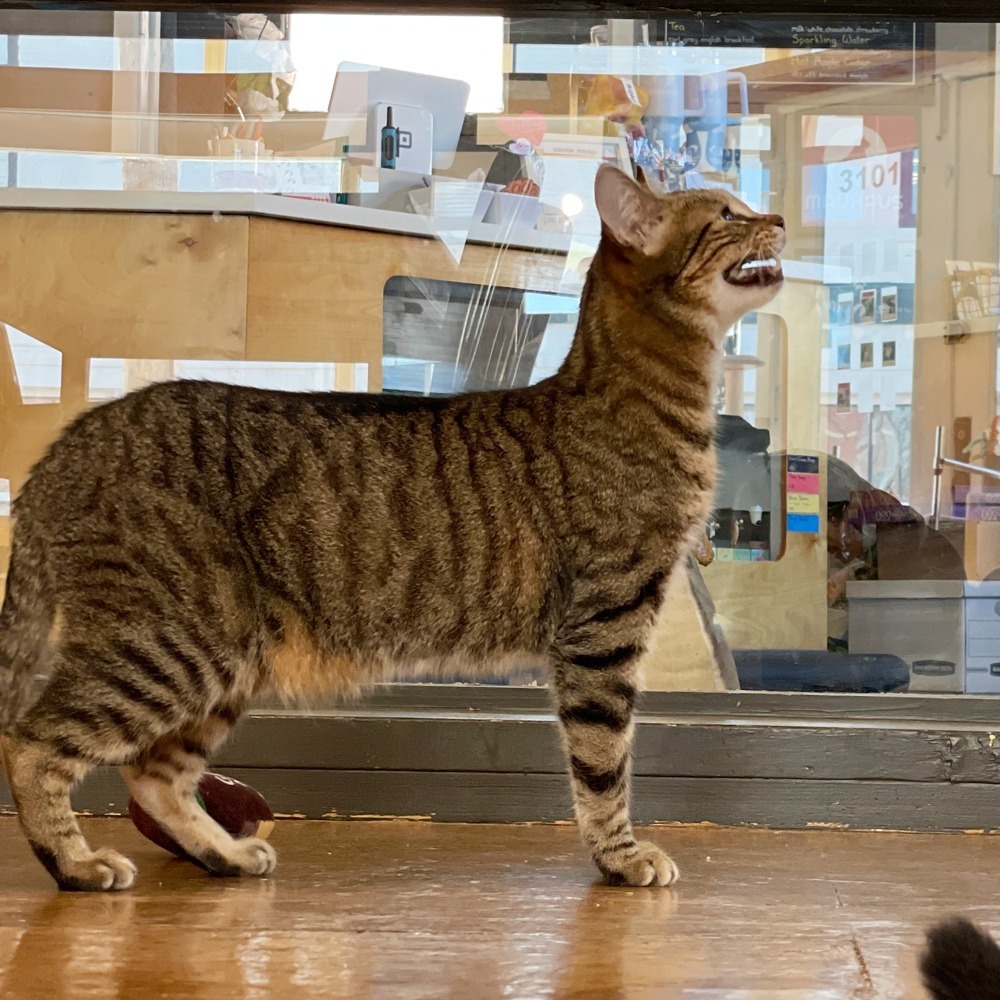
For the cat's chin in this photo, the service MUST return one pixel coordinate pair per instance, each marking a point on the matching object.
(740, 291)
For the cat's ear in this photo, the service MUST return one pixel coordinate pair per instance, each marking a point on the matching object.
(629, 211)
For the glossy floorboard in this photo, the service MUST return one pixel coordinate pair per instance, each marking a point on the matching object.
(418, 910)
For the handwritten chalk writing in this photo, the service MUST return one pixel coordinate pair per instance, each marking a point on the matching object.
(773, 33)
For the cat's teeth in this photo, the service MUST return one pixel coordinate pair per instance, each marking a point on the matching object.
(750, 264)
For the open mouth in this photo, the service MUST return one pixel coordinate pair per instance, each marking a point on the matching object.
(761, 271)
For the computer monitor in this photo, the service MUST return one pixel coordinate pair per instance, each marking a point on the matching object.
(360, 90)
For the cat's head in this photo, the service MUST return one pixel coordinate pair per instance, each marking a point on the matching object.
(703, 251)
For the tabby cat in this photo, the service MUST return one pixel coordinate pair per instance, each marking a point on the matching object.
(183, 549)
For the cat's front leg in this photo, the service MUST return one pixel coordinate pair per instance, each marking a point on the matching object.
(596, 688)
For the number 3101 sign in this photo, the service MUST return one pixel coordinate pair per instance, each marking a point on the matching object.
(864, 191)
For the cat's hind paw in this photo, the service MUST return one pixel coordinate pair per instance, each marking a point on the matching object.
(104, 871)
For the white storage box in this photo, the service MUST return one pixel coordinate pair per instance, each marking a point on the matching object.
(982, 637)
(920, 621)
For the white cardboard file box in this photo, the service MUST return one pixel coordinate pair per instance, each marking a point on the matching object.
(920, 621)
(982, 637)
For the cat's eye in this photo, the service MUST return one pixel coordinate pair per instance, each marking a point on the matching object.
(727, 215)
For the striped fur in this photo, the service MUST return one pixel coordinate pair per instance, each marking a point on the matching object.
(182, 549)
(961, 962)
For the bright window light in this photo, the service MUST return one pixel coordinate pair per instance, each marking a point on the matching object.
(464, 48)
(572, 204)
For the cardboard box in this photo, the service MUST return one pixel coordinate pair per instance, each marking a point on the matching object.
(920, 621)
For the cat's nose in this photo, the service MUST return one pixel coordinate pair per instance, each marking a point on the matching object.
(775, 220)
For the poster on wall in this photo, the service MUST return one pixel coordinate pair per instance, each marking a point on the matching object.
(888, 309)
(844, 315)
(867, 308)
(844, 397)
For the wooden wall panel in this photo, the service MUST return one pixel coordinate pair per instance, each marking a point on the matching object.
(315, 292)
(55, 89)
(782, 604)
(124, 285)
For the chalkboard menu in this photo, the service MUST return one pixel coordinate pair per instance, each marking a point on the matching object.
(771, 33)
(824, 52)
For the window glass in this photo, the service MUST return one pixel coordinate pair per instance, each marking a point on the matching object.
(403, 204)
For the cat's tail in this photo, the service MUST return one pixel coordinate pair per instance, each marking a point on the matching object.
(26, 618)
(962, 962)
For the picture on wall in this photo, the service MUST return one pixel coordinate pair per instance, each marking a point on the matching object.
(888, 305)
(844, 397)
(845, 309)
(843, 356)
(889, 354)
(868, 306)
(867, 355)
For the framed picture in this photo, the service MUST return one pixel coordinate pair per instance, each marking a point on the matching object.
(867, 355)
(844, 397)
(843, 356)
(889, 354)
(868, 306)
(888, 305)
(844, 314)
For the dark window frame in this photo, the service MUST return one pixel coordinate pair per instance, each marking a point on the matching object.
(922, 10)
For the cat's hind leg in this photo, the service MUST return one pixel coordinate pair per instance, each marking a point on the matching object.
(164, 782)
(596, 679)
(47, 753)
(41, 778)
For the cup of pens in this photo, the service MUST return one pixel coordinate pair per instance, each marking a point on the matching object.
(245, 141)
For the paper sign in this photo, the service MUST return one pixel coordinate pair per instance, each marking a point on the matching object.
(803, 482)
(803, 463)
(803, 503)
(805, 523)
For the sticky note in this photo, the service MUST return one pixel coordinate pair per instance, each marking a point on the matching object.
(807, 523)
(803, 503)
(803, 482)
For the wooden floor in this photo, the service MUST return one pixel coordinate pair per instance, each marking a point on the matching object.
(408, 910)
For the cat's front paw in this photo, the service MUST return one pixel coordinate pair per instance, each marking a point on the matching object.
(644, 864)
